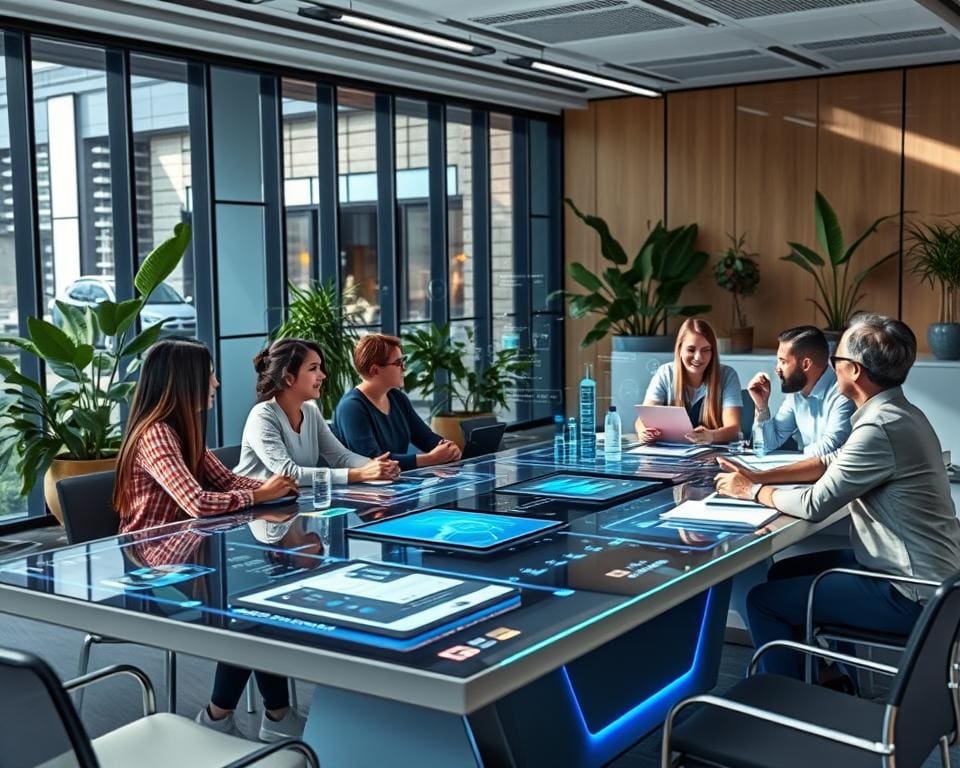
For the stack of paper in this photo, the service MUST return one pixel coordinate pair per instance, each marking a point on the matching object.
(736, 514)
(770, 461)
(673, 450)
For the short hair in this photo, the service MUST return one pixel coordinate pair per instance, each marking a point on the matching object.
(807, 341)
(884, 346)
(373, 349)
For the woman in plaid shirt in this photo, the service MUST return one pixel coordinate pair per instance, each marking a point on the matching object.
(166, 474)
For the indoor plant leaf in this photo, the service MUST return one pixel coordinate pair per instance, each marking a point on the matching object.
(162, 260)
(829, 233)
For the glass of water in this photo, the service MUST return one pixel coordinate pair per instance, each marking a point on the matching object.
(737, 444)
(322, 491)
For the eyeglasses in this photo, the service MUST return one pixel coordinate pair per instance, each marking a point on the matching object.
(834, 359)
(400, 362)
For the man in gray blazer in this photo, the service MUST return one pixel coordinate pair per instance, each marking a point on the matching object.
(890, 472)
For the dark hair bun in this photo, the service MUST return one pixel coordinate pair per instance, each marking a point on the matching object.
(261, 360)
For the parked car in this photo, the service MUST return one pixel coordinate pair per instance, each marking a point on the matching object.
(164, 302)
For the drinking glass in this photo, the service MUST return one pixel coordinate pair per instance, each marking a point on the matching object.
(322, 491)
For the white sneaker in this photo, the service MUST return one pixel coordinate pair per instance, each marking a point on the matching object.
(290, 726)
(225, 725)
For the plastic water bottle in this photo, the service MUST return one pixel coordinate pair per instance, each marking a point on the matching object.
(759, 448)
(572, 438)
(612, 432)
(559, 442)
(588, 415)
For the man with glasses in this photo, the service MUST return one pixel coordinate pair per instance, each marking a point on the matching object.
(813, 406)
(890, 472)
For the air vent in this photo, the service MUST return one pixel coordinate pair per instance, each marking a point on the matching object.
(553, 10)
(754, 9)
(716, 65)
(891, 44)
(588, 26)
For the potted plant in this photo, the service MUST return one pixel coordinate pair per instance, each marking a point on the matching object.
(635, 298)
(738, 272)
(839, 291)
(935, 253)
(73, 429)
(438, 363)
(319, 314)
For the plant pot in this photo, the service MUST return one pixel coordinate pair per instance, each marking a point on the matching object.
(61, 468)
(833, 339)
(724, 345)
(449, 426)
(741, 340)
(944, 340)
(643, 343)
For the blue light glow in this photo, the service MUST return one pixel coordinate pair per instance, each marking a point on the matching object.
(670, 693)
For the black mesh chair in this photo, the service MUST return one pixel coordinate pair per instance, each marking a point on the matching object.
(769, 721)
(229, 455)
(40, 727)
(88, 515)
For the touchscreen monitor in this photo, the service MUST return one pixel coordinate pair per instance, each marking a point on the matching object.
(456, 529)
(588, 488)
(381, 599)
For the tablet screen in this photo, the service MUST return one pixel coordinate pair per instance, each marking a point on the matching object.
(455, 529)
(588, 488)
(380, 599)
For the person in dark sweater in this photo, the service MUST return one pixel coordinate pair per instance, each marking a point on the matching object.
(376, 417)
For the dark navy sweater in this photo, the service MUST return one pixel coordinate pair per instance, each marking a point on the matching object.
(366, 430)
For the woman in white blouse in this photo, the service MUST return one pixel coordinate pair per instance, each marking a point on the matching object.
(286, 433)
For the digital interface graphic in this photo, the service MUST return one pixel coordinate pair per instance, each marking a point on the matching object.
(581, 487)
(456, 529)
(157, 576)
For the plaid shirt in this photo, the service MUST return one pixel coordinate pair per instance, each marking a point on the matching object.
(164, 491)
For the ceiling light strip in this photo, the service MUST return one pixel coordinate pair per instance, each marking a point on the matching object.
(582, 76)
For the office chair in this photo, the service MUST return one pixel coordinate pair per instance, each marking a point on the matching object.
(40, 727)
(769, 721)
(88, 515)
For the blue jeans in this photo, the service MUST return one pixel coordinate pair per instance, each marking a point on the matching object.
(777, 610)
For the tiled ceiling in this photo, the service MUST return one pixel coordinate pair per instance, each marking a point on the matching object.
(661, 44)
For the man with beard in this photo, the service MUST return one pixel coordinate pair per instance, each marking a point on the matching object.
(813, 406)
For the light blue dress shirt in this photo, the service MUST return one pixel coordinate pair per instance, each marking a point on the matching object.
(660, 390)
(822, 418)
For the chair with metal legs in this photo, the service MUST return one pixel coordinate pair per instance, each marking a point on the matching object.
(87, 516)
(778, 722)
(852, 634)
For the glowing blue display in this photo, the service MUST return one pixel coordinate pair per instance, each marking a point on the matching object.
(581, 487)
(456, 528)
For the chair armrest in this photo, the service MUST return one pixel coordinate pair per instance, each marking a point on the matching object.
(840, 737)
(824, 653)
(855, 572)
(149, 697)
(277, 746)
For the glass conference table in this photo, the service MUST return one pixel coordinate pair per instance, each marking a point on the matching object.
(510, 610)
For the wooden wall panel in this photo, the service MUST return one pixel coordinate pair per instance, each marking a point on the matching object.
(700, 185)
(581, 243)
(931, 176)
(858, 170)
(776, 161)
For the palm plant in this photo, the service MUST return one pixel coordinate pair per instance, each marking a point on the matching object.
(840, 294)
(76, 419)
(935, 253)
(636, 301)
(434, 351)
(319, 313)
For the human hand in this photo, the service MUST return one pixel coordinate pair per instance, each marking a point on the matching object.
(759, 389)
(276, 487)
(733, 484)
(381, 467)
(443, 453)
(646, 434)
(700, 436)
(740, 469)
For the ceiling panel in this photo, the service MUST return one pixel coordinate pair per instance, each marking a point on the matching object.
(588, 26)
(753, 9)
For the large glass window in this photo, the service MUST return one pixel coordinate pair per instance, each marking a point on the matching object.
(413, 212)
(162, 173)
(300, 180)
(357, 172)
(12, 504)
(460, 212)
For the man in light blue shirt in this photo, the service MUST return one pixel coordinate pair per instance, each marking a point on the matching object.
(813, 406)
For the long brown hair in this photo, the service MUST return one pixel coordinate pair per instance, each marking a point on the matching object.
(712, 414)
(174, 388)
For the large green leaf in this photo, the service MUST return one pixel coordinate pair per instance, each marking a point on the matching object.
(162, 260)
(143, 341)
(25, 344)
(829, 233)
(583, 305)
(609, 246)
(866, 233)
(808, 253)
(800, 261)
(77, 322)
(84, 356)
(585, 277)
(53, 344)
(115, 318)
